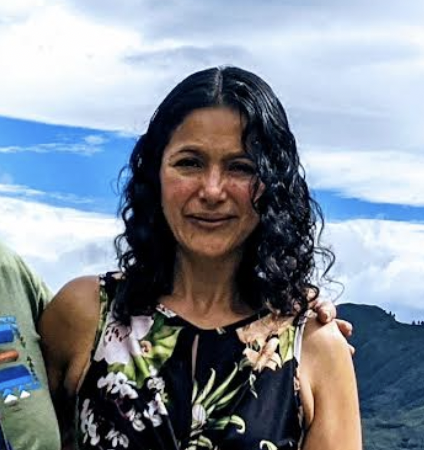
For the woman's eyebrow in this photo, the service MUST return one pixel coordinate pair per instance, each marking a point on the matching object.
(238, 155)
(198, 151)
(192, 149)
(183, 151)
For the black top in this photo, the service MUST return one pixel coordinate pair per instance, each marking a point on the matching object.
(164, 384)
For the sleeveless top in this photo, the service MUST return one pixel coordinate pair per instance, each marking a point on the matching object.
(161, 383)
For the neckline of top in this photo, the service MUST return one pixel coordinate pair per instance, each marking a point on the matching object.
(170, 314)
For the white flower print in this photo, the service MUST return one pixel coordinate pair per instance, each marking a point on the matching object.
(155, 382)
(119, 341)
(153, 371)
(88, 425)
(156, 410)
(135, 418)
(117, 439)
(160, 405)
(199, 416)
(118, 383)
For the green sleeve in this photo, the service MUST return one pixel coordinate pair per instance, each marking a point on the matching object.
(31, 423)
(15, 274)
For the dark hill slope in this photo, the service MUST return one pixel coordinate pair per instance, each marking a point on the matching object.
(389, 364)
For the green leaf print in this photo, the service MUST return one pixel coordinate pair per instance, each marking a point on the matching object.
(156, 348)
(126, 369)
(220, 424)
(219, 391)
(209, 400)
(267, 445)
(206, 390)
(160, 342)
(201, 441)
(286, 346)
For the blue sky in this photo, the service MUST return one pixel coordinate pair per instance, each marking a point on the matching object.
(80, 81)
(67, 165)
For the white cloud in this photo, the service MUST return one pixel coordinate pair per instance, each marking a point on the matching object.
(60, 243)
(59, 66)
(11, 12)
(380, 262)
(95, 139)
(374, 176)
(90, 145)
(365, 60)
(18, 190)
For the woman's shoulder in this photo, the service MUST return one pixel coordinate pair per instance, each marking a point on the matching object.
(68, 327)
(326, 363)
(323, 342)
(325, 356)
(77, 299)
(70, 320)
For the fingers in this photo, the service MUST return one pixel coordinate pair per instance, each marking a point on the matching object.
(326, 311)
(345, 327)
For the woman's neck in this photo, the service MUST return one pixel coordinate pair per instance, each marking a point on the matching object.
(206, 289)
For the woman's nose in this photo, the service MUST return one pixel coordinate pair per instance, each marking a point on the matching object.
(213, 186)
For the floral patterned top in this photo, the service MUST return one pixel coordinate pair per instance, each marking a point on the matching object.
(161, 383)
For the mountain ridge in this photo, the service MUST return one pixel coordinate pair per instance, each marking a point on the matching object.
(389, 364)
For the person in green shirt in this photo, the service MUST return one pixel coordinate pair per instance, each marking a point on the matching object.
(27, 415)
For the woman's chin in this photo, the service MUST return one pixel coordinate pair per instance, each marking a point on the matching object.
(217, 253)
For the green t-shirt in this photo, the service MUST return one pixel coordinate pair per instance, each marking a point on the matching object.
(26, 410)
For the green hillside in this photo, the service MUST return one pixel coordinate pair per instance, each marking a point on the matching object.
(389, 363)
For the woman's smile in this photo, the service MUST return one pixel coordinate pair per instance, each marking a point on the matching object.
(210, 222)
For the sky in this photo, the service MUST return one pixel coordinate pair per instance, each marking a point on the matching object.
(80, 79)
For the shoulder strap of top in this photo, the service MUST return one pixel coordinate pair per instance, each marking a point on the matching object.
(298, 337)
(107, 290)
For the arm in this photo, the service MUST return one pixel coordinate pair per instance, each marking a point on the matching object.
(67, 328)
(329, 391)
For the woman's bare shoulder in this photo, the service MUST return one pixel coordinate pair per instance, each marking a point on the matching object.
(317, 334)
(324, 346)
(77, 302)
(329, 388)
(68, 324)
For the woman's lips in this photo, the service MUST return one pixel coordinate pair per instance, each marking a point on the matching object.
(210, 222)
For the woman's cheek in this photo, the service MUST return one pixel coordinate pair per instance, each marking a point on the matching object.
(178, 190)
(240, 189)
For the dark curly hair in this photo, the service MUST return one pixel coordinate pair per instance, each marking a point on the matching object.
(279, 260)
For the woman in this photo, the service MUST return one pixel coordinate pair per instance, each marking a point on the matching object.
(201, 341)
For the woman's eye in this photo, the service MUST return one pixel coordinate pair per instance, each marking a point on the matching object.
(244, 168)
(188, 162)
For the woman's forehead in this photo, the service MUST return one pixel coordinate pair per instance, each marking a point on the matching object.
(216, 127)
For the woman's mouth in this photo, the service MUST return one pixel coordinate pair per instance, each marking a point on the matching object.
(210, 221)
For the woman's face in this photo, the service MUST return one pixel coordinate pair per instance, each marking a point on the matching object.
(206, 179)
